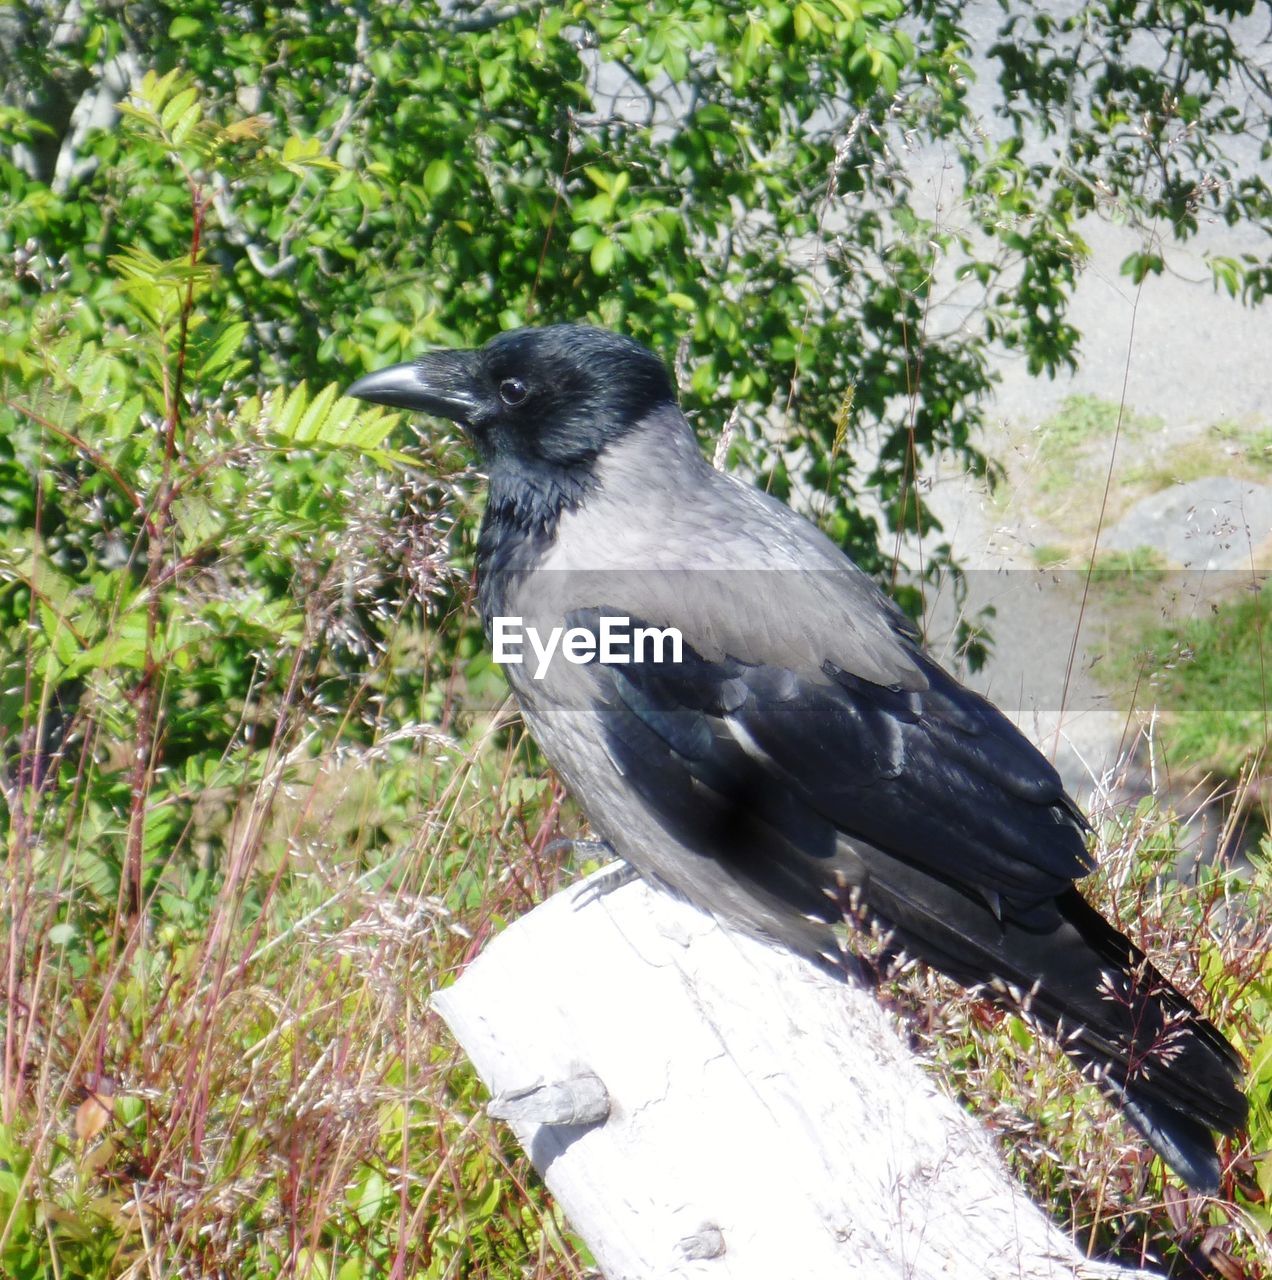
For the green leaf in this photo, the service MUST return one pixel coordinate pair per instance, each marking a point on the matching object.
(179, 105)
(183, 25)
(284, 411)
(438, 177)
(125, 647)
(1139, 266)
(57, 635)
(602, 256)
(310, 423)
(755, 36)
(183, 127)
(372, 1196)
(225, 347)
(300, 153)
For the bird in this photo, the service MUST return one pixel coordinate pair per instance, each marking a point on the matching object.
(799, 759)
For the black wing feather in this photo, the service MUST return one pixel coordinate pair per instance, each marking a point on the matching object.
(936, 777)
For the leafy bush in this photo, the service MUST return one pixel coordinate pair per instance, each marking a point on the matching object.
(218, 947)
(729, 184)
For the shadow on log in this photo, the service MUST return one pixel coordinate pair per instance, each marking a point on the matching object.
(703, 1105)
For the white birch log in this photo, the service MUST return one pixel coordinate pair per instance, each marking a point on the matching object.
(704, 1106)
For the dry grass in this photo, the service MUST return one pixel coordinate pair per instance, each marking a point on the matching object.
(259, 1089)
(240, 1076)
(265, 1092)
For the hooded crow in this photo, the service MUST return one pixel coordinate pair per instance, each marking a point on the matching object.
(782, 752)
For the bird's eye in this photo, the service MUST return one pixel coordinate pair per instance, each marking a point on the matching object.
(512, 391)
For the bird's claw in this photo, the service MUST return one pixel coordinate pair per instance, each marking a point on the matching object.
(596, 886)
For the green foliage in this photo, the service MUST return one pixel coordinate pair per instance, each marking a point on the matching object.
(1115, 77)
(212, 601)
(721, 182)
(128, 476)
(257, 804)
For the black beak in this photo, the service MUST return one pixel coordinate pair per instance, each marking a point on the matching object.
(442, 383)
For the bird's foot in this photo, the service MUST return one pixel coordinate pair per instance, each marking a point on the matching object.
(595, 887)
(583, 848)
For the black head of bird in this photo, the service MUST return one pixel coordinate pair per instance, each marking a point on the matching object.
(532, 398)
(540, 406)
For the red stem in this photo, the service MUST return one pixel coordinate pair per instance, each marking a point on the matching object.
(156, 570)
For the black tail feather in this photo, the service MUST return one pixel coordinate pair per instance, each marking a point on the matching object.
(1185, 1144)
(1072, 973)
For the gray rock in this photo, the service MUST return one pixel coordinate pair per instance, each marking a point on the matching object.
(1215, 523)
